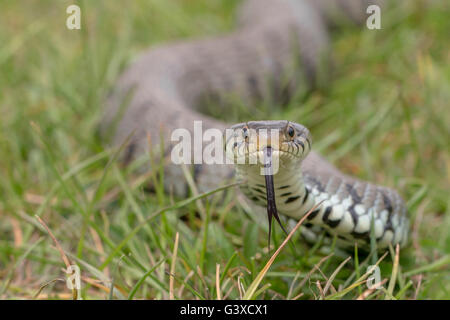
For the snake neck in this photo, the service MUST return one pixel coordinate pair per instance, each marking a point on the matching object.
(293, 198)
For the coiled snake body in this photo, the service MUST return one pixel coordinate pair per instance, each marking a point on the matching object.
(281, 45)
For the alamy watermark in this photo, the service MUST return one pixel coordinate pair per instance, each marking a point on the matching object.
(374, 20)
(374, 280)
(73, 281)
(212, 146)
(73, 21)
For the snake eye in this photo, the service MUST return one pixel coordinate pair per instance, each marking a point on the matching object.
(291, 132)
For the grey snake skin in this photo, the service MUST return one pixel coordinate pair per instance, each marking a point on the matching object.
(278, 47)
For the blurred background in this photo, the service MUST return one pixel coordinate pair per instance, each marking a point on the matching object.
(384, 117)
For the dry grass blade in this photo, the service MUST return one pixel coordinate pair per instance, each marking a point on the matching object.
(368, 292)
(326, 279)
(249, 294)
(172, 267)
(291, 286)
(227, 294)
(58, 246)
(42, 287)
(322, 294)
(419, 282)
(219, 294)
(298, 296)
(61, 252)
(334, 274)
(97, 283)
(189, 275)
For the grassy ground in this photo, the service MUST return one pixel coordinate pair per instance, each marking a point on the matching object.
(385, 117)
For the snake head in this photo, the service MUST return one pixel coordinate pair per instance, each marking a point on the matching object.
(246, 142)
(269, 145)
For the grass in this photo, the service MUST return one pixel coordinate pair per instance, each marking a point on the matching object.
(383, 118)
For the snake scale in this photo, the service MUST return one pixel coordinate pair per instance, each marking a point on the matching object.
(279, 46)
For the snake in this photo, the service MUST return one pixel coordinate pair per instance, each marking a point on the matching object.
(277, 48)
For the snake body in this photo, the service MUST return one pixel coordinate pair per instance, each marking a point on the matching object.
(280, 46)
(348, 207)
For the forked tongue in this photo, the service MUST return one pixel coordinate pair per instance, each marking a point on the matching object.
(270, 193)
